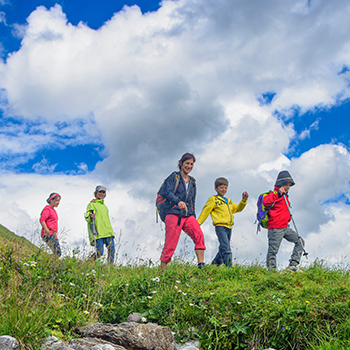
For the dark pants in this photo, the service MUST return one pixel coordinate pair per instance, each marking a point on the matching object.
(275, 237)
(224, 255)
(53, 243)
(109, 243)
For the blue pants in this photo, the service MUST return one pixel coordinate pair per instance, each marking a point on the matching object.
(109, 243)
(224, 255)
(53, 243)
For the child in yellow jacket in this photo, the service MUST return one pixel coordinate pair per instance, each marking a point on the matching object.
(221, 210)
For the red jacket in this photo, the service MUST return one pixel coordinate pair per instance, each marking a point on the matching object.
(279, 215)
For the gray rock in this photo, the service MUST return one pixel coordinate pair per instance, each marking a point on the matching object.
(132, 335)
(51, 343)
(134, 317)
(103, 347)
(190, 345)
(87, 343)
(8, 343)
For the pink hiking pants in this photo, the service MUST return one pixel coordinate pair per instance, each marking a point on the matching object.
(172, 234)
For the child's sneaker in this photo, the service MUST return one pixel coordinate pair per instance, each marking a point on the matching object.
(201, 265)
(292, 269)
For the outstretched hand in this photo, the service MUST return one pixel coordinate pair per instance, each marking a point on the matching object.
(245, 195)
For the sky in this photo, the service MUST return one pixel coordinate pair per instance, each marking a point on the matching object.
(114, 92)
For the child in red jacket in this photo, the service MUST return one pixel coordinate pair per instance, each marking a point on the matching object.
(278, 222)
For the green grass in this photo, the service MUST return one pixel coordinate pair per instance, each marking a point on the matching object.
(243, 307)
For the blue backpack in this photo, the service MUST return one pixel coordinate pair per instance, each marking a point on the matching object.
(161, 198)
(262, 213)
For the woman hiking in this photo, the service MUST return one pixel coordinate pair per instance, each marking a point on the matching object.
(180, 211)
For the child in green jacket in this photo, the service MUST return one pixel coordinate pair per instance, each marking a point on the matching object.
(99, 225)
(221, 210)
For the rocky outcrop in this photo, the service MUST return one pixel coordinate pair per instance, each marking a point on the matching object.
(132, 335)
(8, 343)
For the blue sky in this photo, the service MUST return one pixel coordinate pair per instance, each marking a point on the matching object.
(64, 159)
(102, 93)
(322, 124)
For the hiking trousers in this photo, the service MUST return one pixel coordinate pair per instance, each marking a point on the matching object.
(275, 237)
(53, 243)
(189, 225)
(224, 255)
(109, 243)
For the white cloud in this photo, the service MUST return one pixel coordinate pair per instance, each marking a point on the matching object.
(184, 78)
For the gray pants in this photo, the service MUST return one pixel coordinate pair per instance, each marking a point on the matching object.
(275, 237)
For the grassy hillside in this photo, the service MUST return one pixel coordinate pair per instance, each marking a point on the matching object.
(243, 307)
(8, 238)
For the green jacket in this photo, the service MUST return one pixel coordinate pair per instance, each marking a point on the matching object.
(102, 222)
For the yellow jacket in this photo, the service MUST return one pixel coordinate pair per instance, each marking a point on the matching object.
(220, 211)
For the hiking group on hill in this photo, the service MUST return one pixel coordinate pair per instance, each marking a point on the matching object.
(176, 207)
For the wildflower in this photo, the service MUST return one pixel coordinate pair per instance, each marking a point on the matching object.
(184, 293)
(25, 264)
(93, 271)
(282, 328)
(127, 285)
(212, 293)
(179, 291)
(210, 278)
(178, 281)
(86, 312)
(191, 276)
(190, 304)
(72, 284)
(156, 279)
(39, 276)
(84, 295)
(239, 302)
(301, 331)
(307, 302)
(154, 292)
(144, 319)
(175, 287)
(149, 297)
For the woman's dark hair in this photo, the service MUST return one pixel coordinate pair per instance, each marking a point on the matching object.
(185, 157)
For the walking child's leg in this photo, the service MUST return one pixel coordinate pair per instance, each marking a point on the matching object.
(275, 237)
(110, 248)
(99, 247)
(292, 236)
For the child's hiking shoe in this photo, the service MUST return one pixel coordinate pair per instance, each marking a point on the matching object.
(201, 265)
(292, 269)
